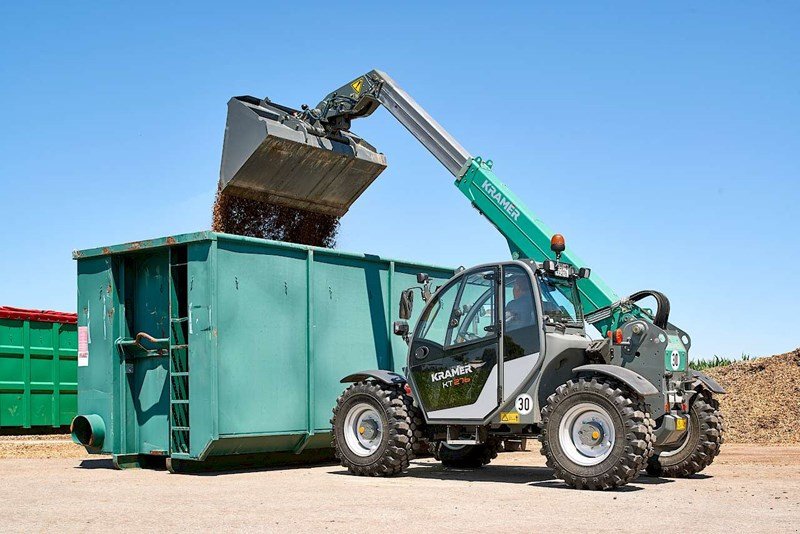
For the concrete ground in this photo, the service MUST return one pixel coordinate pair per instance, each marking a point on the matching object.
(748, 488)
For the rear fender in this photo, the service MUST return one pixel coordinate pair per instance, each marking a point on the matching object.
(703, 381)
(387, 377)
(633, 380)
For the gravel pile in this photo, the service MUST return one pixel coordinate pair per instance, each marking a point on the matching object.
(762, 403)
(253, 218)
(40, 446)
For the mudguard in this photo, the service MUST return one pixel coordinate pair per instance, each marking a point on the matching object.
(630, 378)
(387, 377)
(703, 380)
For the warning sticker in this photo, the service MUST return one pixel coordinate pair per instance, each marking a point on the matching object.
(83, 346)
(509, 417)
(357, 85)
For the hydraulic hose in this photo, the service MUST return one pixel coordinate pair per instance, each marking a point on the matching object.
(662, 305)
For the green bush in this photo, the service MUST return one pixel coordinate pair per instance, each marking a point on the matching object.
(716, 361)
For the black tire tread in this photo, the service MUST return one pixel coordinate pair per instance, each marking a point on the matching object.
(470, 457)
(419, 442)
(395, 457)
(711, 438)
(639, 427)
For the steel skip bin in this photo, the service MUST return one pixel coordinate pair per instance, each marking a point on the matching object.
(38, 349)
(206, 345)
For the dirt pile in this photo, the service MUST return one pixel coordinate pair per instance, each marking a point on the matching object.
(40, 446)
(253, 218)
(762, 403)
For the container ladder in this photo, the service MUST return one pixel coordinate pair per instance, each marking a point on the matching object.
(179, 353)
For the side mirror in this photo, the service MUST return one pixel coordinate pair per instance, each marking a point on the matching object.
(422, 278)
(400, 328)
(406, 304)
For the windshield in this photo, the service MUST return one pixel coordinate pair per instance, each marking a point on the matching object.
(560, 301)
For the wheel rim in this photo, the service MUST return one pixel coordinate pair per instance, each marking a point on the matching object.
(686, 440)
(363, 429)
(586, 434)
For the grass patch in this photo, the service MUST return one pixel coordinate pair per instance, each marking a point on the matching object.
(716, 361)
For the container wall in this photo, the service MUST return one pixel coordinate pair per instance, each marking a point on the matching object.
(292, 323)
(38, 385)
(202, 351)
(262, 321)
(253, 338)
(98, 381)
(119, 297)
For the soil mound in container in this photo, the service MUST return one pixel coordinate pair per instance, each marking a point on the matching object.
(265, 220)
(762, 403)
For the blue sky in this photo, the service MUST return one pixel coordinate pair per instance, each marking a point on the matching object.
(662, 140)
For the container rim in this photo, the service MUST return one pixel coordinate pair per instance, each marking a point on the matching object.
(42, 316)
(208, 235)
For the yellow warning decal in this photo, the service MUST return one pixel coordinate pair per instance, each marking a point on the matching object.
(509, 417)
(680, 424)
(357, 85)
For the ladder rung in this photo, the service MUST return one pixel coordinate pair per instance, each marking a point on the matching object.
(181, 428)
(181, 346)
(178, 401)
(179, 373)
(183, 264)
(179, 319)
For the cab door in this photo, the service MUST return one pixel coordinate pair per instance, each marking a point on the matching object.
(454, 356)
(522, 332)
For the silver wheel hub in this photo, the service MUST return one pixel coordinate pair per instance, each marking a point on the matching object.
(363, 429)
(586, 434)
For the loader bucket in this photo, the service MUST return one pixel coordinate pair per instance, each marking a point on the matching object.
(267, 160)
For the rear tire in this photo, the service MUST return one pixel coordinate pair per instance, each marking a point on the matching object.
(702, 444)
(466, 456)
(372, 429)
(596, 434)
(419, 441)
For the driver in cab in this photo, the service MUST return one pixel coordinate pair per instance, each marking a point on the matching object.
(519, 311)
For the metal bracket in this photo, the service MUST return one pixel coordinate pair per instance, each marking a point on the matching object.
(458, 440)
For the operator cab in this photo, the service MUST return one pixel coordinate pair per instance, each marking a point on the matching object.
(481, 335)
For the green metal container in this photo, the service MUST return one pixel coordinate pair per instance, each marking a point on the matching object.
(206, 345)
(38, 350)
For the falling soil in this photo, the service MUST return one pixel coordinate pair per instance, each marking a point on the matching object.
(254, 218)
(762, 403)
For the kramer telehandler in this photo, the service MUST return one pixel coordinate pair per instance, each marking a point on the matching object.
(500, 351)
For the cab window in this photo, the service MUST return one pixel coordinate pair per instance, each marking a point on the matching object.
(521, 328)
(475, 314)
(463, 312)
(435, 322)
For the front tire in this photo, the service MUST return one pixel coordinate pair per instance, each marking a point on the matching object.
(372, 433)
(702, 444)
(466, 456)
(595, 434)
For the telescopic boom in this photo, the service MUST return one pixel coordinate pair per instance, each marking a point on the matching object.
(527, 236)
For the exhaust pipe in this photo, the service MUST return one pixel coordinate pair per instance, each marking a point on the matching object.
(89, 431)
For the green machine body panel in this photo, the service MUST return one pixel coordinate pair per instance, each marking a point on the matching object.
(210, 344)
(527, 236)
(38, 350)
